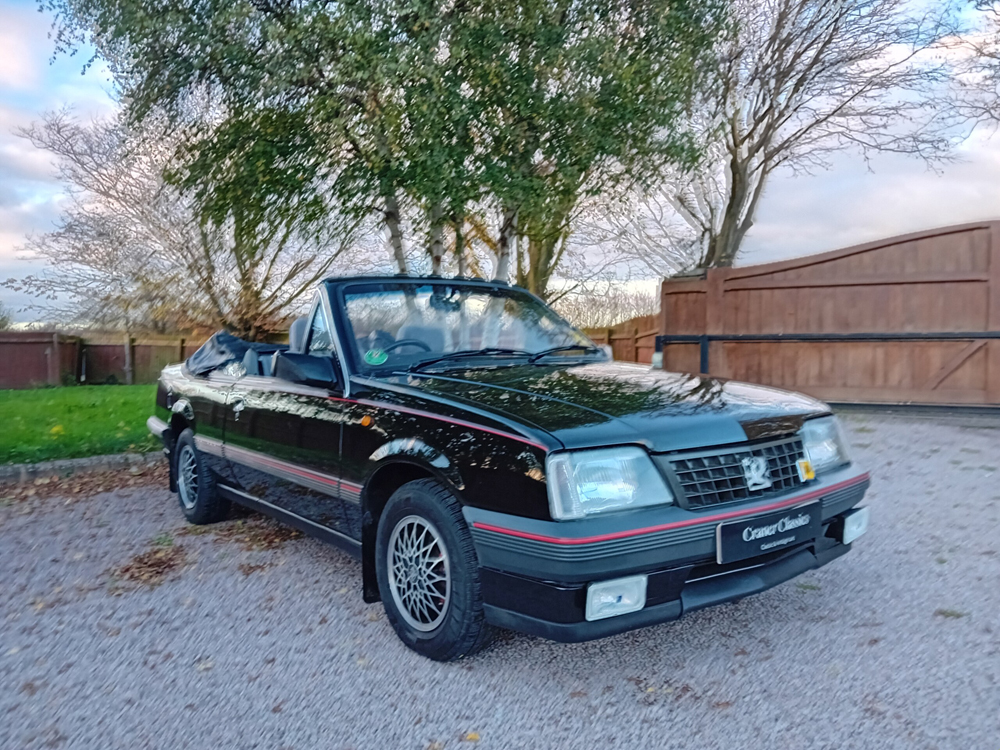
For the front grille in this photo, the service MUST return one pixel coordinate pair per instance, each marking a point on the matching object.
(710, 479)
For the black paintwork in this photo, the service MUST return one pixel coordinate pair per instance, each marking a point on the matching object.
(484, 431)
(327, 457)
(609, 403)
(552, 612)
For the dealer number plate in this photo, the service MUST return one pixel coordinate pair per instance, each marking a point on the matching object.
(750, 537)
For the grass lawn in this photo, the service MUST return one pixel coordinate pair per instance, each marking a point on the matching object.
(85, 420)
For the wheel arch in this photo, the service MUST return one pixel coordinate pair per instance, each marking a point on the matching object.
(392, 472)
(181, 418)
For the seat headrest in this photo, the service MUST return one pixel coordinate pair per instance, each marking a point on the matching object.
(297, 333)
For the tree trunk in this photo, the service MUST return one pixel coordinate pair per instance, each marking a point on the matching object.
(436, 238)
(724, 246)
(460, 245)
(507, 244)
(394, 231)
(541, 263)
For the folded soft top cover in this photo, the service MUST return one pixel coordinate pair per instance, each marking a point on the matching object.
(222, 349)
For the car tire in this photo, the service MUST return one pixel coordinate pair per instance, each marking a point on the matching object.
(431, 592)
(196, 492)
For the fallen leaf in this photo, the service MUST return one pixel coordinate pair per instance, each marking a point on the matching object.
(203, 665)
(85, 484)
(248, 568)
(150, 568)
(952, 614)
(30, 688)
(256, 532)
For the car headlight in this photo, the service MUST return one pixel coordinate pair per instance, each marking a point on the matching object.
(824, 443)
(607, 479)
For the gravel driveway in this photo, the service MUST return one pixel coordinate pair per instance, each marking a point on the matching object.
(253, 640)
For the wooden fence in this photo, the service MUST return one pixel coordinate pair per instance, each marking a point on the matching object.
(31, 358)
(914, 318)
(631, 341)
(36, 358)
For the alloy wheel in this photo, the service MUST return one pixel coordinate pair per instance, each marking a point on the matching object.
(187, 477)
(419, 573)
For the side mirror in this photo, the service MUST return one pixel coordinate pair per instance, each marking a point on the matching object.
(305, 369)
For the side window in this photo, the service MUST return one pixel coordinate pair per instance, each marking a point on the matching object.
(320, 341)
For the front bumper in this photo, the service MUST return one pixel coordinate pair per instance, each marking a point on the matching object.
(156, 427)
(161, 430)
(537, 582)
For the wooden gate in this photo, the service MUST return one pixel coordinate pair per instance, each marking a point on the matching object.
(914, 319)
(630, 341)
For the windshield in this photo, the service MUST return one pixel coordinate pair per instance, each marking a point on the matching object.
(402, 325)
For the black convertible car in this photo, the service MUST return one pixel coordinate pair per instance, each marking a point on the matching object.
(492, 467)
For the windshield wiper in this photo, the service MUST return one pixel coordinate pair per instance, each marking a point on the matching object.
(463, 353)
(585, 348)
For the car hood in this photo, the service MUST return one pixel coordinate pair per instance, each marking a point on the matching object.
(606, 403)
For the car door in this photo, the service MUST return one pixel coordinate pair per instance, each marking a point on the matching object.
(283, 439)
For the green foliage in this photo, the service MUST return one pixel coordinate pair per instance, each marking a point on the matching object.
(525, 105)
(5, 317)
(74, 422)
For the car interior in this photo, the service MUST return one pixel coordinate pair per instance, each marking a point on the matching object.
(264, 364)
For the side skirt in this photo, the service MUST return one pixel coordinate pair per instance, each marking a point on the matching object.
(345, 543)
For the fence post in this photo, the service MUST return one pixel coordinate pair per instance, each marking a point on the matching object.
(180, 352)
(703, 354)
(993, 319)
(715, 317)
(53, 362)
(129, 375)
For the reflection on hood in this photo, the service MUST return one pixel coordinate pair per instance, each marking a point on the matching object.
(619, 401)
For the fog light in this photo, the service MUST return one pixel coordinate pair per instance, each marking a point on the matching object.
(617, 597)
(855, 524)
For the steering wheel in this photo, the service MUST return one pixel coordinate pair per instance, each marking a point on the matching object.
(406, 342)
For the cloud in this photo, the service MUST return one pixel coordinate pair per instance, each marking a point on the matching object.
(19, 160)
(20, 54)
(31, 82)
(848, 205)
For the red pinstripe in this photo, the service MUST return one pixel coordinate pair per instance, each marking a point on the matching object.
(677, 524)
(284, 466)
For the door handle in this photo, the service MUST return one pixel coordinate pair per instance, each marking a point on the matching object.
(239, 404)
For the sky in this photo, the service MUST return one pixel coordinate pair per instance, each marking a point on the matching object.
(31, 82)
(799, 215)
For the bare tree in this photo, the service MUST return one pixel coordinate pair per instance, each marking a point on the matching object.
(640, 226)
(797, 81)
(978, 54)
(131, 251)
(606, 304)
